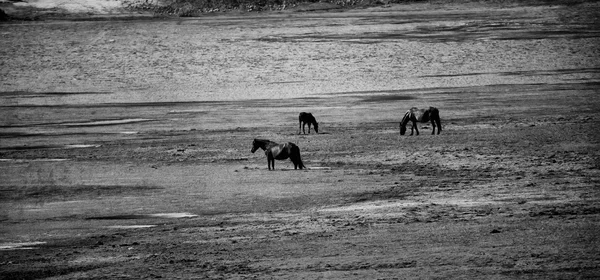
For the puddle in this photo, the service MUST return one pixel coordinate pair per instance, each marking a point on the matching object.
(173, 215)
(199, 111)
(145, 216)
(82, 146)
(130, 226)
(142, 216)
(20, 245)
(387, 98)
(46, 94)
(106, 122)
(30, 160)
(319, 168)
(41, 147)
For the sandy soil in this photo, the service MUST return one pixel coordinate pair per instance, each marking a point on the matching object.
(125, 145)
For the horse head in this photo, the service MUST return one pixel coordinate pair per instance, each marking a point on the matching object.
(255, 146)
(316, 125)
(405, 120)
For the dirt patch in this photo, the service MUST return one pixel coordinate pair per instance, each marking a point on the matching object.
(54, 192)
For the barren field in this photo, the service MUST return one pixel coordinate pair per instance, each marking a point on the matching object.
(125, 145)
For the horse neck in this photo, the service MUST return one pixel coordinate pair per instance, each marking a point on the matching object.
(308, 119)
(263, 144)
(268, 144)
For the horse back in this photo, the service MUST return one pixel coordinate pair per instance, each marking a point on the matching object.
(425, 115)
(419, 115)
(291, 148)
(265, 142)
(306, 117)
(280, 151)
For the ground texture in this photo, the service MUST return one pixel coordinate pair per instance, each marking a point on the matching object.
(125, 145)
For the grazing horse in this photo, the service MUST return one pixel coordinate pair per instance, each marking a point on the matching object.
(278, 151)
(307, 118)
(421, 115)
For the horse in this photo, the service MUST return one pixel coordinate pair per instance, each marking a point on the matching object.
(421, 115)
(307, 118)
(275, 151)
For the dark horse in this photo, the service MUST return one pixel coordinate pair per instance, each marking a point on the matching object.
(421, 115)
(307, 118)
(278, 151)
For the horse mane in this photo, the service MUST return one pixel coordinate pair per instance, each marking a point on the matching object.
(406, 117)
(262, 143)
(264, 140)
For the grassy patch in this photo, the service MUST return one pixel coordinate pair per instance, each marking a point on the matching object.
(190, 8)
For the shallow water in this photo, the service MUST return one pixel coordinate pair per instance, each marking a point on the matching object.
(290, 56)
(20, 245)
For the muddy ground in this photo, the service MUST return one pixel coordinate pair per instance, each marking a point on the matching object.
(125, 145)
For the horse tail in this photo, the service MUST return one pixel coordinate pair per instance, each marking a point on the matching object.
(435, 116)
(295, 156)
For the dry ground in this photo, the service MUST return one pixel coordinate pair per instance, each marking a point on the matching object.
(125, 145)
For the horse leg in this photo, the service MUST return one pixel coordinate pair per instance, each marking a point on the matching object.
(308, 128)
(433, 126)
(415, 127)
(300, 164)
(439, 124)
(269, 160)
(299, 127)
(294, 161)
(297, 162)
